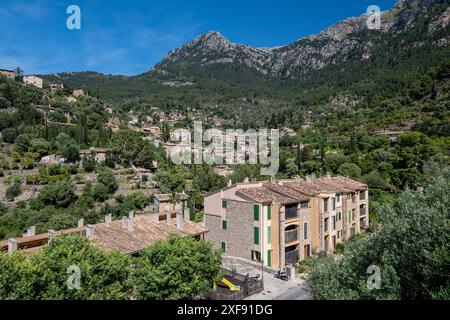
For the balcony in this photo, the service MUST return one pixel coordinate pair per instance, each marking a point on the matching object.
(291, 257)
(291, 213)
(362, 211)
(291, 235)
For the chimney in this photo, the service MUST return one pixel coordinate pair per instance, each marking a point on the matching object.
(131, 215)
(124, 222)
(90, 231)
(187, 214)
(230, 183)
(180, 220)
(81, 223)
(203, 223)
(168, 216)
(12, 246)
(130, 224)
(50, 235)
(31, 231)
(108, 218)
(246, 180)
(328, 175)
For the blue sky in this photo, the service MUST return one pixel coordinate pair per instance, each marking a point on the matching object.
(130, 36)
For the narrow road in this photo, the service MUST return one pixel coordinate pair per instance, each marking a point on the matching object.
(298, 292)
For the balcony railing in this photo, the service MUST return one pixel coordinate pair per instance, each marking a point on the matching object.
(291, 257)
(291, 213)
(291, 235)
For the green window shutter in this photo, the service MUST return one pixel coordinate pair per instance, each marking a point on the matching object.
(269, 212)
(224, 225)
(269, 258)
(269, 234)
(255, 235)
(224, 246)
(224, 204)
(349, 215)
(256, 212)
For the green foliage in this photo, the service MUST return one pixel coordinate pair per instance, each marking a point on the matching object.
(71, 153)
(13, 191)
(178, 268)
(205, 179)
(60, 194)
(107, 177)
(89, 164)
(101, 192)
(104, 276)
(350, 170)
(170, 181)
(9, 135)
(40, 146)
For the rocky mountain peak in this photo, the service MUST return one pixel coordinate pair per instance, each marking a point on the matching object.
(332, 46)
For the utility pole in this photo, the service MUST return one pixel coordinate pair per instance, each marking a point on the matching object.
(262, 246)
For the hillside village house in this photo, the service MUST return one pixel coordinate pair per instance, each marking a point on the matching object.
(78, 93)
(34, 81)
(99, 154)
(165, 202)
(283, 222)
(56, 86)
(10, 74)
(129, 235)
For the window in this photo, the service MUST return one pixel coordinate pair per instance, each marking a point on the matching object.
(269, 235)
(334, 222)
(326, 225)
(269, 258)
(255, 235)
(224, 204)
(353, 215)
(333, 201)
(255, 255)
(304, 205)
(256, 212)
(224, 225)
(338, 198)
(269, 212)
(223, 245)
(325, 205)
(362, 195)
(305, 231)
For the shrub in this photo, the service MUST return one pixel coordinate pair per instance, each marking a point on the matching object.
(13, 191)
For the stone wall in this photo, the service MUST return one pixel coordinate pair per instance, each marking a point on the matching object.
(239, 233)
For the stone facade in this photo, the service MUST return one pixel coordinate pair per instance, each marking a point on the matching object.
(239, 234)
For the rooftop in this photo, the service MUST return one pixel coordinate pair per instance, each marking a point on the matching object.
(113, 236)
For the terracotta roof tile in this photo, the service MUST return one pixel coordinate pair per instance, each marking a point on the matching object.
(111, 236)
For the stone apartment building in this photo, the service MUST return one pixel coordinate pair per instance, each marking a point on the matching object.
(283, 222)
